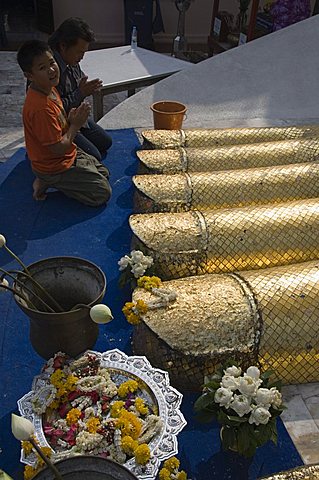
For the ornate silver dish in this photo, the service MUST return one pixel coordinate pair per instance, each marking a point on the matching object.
(158, 390)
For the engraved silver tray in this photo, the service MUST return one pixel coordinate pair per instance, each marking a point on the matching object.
(167, 399)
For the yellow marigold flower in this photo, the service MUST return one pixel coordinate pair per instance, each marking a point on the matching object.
(129, 424)
(172, 464)
(73, 416)
(142, 454)
(141, 306)
(71, 382)
(128, 312)
(149, 282)
(57, 377)
(26, 447)
(116, 409)
(140, 406)
(129, 445)
(165, 474)
(127, 387)
(133, 319)
(29, 472)
(181, 475)
(93, 424)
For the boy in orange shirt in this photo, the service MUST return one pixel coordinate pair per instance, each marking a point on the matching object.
(49, 133)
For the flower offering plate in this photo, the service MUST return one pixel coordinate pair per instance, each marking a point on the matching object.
(154, 389)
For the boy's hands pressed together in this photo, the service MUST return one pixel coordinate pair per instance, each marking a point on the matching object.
(87, 87)
(78, 116)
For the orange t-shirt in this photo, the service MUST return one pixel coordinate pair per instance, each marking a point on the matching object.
(44, 124)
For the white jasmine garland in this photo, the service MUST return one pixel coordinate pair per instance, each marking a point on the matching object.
(259, 415)
(241, 405)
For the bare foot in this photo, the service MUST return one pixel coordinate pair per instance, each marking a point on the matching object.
(39, 189)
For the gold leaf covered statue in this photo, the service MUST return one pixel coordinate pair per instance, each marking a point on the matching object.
(223, 189)
(225, 240)
(268, 316)
(230, 157)
(306, 472)
(226, 136)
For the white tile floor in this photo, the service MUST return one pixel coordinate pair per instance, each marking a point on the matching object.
(302, 415)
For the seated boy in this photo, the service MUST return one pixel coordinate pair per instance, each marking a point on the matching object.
(49, 133)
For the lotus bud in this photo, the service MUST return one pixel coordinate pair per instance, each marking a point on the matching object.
(101, 313)
(2, 240)
(4, 283)
(4, 476)
(21, 427)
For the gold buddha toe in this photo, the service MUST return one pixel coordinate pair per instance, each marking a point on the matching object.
(225, 240)
(307, 472)
(224, 189)
(226, 136)
(231, 157)
(267, 316)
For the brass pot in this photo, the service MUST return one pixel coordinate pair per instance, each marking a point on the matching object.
(70, 281)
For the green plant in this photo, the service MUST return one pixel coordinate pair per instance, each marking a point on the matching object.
(245, 405)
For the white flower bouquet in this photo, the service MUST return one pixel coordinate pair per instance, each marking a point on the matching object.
(133, 266)
(246, 405)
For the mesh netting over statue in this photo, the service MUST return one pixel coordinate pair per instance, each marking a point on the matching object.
(231, 157)
(308, 472)
(268, 316)
(226, 136)
(222, 189)
(225, 240)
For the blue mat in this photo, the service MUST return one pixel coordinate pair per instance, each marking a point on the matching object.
(62, 226)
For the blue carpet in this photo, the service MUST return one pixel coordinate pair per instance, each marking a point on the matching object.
(62, 226)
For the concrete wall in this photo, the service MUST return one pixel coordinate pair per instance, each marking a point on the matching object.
(106, 18)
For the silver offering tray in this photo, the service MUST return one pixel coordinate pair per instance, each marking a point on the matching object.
(166, 398)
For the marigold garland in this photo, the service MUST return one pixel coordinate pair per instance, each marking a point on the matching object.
(130, 386)
(142, 454)
(129, 445)
(170, 470)
(129, 424)
(133, 311)
(88, 413)
(148, 283)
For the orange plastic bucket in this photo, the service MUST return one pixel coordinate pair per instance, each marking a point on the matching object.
(168, 115)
